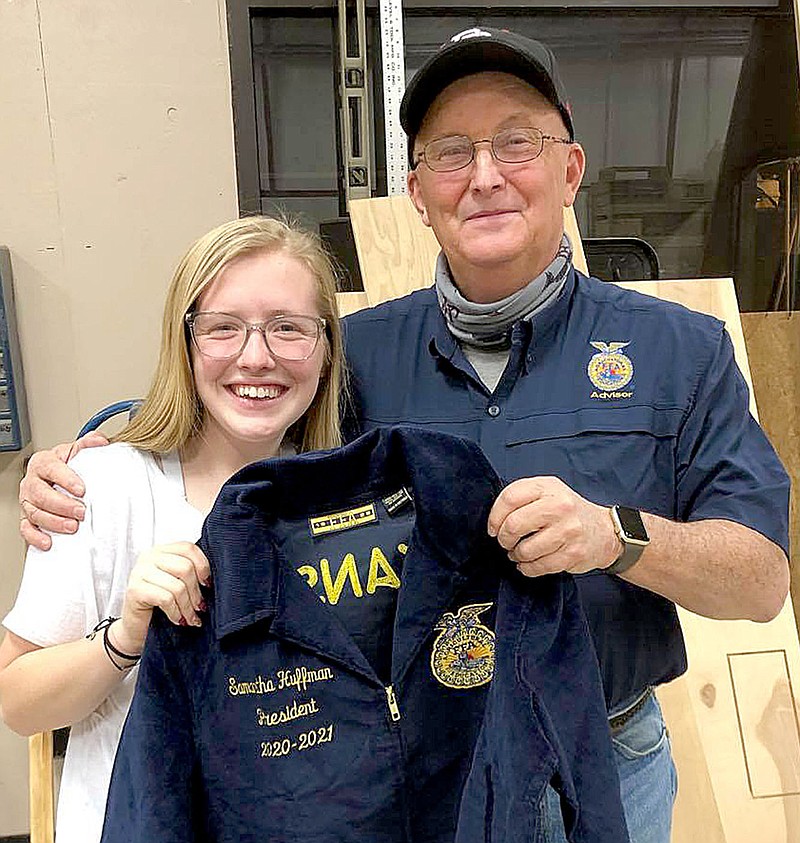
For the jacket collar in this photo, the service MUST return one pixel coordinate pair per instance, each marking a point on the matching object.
(453, 487)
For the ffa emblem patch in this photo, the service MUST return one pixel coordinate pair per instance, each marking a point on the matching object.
(611, 368)
(463, 654)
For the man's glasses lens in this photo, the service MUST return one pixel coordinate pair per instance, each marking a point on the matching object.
(512, 146)
(221, 335)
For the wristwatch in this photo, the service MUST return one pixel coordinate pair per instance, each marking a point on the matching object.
(630, 528)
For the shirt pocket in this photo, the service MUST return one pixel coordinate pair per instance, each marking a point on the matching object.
(620, 454)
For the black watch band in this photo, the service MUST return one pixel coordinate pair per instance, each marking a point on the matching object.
(632, 533)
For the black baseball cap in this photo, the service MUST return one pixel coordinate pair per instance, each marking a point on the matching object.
(477, 50)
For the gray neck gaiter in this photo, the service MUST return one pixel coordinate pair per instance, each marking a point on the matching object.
(488, 326)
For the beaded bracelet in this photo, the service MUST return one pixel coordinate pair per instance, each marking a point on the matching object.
(110, 649)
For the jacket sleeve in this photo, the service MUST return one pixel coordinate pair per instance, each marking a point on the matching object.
(152, 794)
(726, 467)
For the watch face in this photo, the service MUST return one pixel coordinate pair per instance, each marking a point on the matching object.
(632, 525)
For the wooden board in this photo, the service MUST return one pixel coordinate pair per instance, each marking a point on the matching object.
(396, 252)
(773, 347)
(723, 743)
(350, 302)
(696, 816)
(40, 784)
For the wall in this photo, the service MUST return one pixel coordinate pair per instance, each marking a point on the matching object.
(116, 150)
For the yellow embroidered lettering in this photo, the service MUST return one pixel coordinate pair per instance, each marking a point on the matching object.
(378, 562)
(310, 573)
(301, 677)
(259, 685)
(348, 570)
(305, 740)
(291, 711)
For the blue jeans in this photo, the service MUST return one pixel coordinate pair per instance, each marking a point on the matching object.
(647, 778)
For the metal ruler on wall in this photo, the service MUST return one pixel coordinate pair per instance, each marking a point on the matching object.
(394, 84)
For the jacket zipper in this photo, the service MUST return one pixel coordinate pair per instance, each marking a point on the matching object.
(391, 700)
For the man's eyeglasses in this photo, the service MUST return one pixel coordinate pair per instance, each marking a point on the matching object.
(511, 146)
(288, 337)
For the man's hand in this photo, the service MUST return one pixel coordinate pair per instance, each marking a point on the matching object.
(547, 527)
(717, 568)
(42, 506)
(167, 576)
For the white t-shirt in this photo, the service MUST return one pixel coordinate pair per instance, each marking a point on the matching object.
(131, 505)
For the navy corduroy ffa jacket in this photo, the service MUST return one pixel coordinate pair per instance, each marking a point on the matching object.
(272, 724)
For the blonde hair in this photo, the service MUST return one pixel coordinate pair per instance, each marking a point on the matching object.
(172, 413)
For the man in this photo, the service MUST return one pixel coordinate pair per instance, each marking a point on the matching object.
(621, 421)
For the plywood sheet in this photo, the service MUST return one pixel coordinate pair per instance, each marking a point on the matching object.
(396, 252)
(696, 806)
(773, 348)
(351, 302)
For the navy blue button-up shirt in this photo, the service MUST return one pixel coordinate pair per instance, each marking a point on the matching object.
(628, 399)
(271, 724)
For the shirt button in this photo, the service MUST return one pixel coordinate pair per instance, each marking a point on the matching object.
(493, 410)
